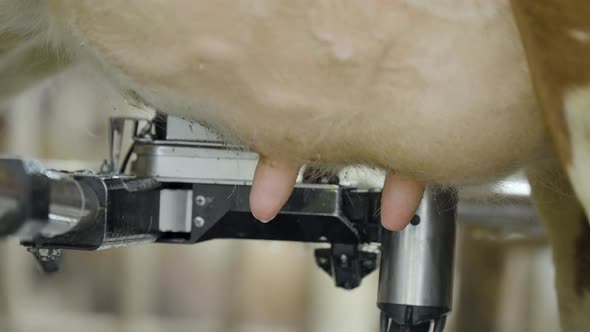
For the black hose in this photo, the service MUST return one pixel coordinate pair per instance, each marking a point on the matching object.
(403, 328)
(439, 324)
(384, 322)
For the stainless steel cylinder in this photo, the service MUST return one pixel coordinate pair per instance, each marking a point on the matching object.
(35, 201)
(71, 203)
(417, 263)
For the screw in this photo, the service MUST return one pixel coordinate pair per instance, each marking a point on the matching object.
(201, 200)
(343, 259)
(199, 222)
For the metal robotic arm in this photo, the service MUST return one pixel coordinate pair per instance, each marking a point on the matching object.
(186, 186)
(416, 275)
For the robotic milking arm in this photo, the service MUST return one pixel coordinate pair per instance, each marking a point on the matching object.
(185, 186)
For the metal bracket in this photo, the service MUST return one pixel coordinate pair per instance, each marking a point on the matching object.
(313, 213)
(346, 264)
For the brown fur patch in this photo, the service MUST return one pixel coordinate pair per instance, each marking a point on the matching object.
(582, 259)
(557, 61)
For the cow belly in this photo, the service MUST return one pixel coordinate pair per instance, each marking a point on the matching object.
(441, 94)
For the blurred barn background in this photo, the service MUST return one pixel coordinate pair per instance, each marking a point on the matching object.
(503, 283)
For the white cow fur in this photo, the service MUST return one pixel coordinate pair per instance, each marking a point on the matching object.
(413, 94)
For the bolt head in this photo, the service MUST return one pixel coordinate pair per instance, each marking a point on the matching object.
(201, 200)
(343, 259)
(199, 222)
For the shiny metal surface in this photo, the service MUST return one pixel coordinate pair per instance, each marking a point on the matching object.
(504, 202)
(175, 210)
(417, 263)
(36, 201)
(70, 203)
(193, 163)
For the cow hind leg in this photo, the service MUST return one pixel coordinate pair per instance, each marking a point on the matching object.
(568, 232)
(556, 39)
(577, 115)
